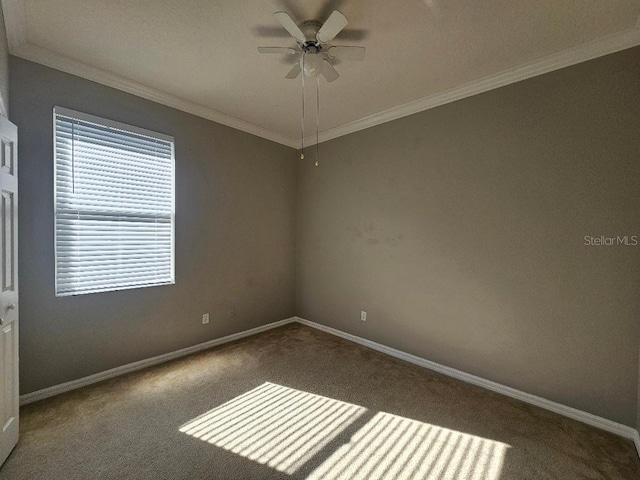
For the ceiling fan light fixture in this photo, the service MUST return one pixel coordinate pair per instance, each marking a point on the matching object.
(311, 64)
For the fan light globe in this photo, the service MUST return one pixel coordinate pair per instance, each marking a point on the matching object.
(311, 64)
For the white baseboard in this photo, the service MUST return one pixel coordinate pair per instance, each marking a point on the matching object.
(132, 367)
(588, 418)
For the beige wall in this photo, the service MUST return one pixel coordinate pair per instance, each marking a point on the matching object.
(4, 68)
(460, 230)
(235, 237)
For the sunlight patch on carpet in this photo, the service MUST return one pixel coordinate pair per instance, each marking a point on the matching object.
(394, 447)
(274, 425)
(287, 429)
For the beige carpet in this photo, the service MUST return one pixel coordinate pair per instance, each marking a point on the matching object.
(297, 403)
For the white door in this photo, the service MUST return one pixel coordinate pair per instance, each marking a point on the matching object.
(8, 288)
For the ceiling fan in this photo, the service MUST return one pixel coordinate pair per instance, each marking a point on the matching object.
(313, 46)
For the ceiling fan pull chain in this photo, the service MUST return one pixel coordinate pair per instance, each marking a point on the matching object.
(302, 142)
(317, 118)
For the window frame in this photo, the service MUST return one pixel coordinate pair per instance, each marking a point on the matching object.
(105, 122)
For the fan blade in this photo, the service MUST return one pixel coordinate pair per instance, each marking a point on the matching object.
(294, 72)
(290, 26)
(281, 50)
(346, 35)
(328, 72)
(347, 53)
(332, 27)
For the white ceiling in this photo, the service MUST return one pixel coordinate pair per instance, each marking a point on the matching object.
(200, 55)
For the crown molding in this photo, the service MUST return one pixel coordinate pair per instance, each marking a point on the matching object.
(15, 22)
(16, 27)
(604, 46)
(54, 60)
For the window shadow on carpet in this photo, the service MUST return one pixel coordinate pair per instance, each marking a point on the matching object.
(310, 436)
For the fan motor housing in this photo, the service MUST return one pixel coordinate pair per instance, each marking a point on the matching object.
(311, 46)
(310, 29)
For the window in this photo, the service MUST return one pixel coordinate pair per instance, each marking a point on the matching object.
(114, 205)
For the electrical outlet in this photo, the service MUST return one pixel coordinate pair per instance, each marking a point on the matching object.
(205, 318)
(363, 315)
(232, 312)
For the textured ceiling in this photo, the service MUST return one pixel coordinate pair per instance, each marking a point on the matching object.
(204, 51)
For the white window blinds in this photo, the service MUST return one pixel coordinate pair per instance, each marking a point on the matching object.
(114, 205)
